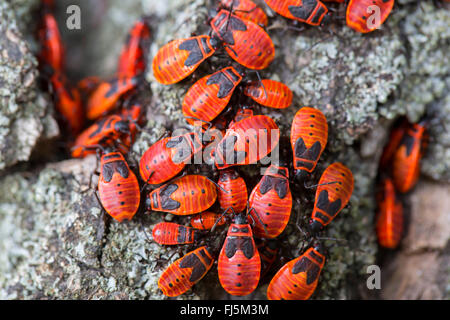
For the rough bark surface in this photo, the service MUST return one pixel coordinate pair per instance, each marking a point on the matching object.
(55, 242)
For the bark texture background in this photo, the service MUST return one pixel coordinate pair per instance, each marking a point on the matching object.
(54, 240)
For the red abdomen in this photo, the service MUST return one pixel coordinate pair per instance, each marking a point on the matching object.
(132, 58)
(246, 42)
(239, 262)
(103, 99)
(406, 160)
(206, 220)
(179, 58)
(246, 9)
(206, 99)
(297, 280)
(167, 157)
(367, 15)
(394, 140)
(309, 136)
(268, 251)
(310, 12)
(68, 103)
(52, 48)
(333, 193)
(276, 94)
(187, 195)
(248, 141)
(271, 203)
(236, 195)
(118, 187)
(168, 233)
(181, 275)
(104, 132)
(389, 225)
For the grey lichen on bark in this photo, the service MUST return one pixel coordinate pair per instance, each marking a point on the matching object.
(54, 240)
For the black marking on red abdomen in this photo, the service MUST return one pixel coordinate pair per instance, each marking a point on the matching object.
(323, 203)
(306, 265)
(305, 10)
(226, 30)
(166, 202)
(115, 166)
(194, 262)
(195, 53)
(308, 154)
(278, 184)
(225, 84)
(244, 244)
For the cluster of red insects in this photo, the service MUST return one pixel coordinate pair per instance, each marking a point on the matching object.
(266, 212)
(111, 105)
(237, 29)
(399, 171)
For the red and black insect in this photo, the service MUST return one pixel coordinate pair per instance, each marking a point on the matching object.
(268, 251)
(206, 220)
(207, 98)
(212, 136)
(134, 113)
(298, 279)
(247, 142)
(270, 203)
(245, 41)
(104, 98)
(332, 195)
(105, 132)
(181, 275)
(389, 224)
(368, 15)
(188, 195)
(309, 136)
(312, 12)
(269, 93)
(118, 187)
(247, 10)
(233, 192)
(67, 102)
(406, 160)
(52, 48)
(179, 58)
(239, 264)
(168, 233)
(168, 157)
(394, 140)
(132, 60)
